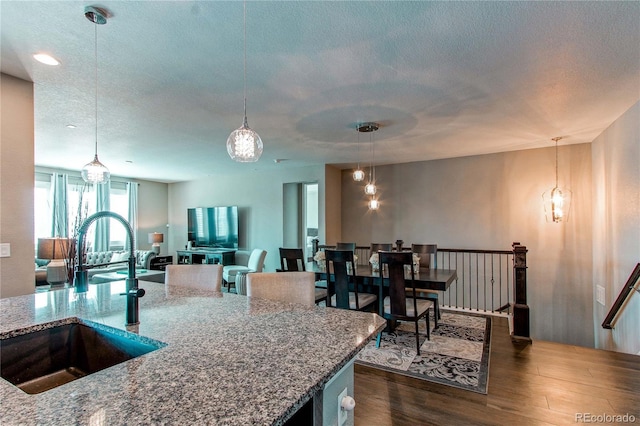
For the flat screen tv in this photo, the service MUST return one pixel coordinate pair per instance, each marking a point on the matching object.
(213, 226)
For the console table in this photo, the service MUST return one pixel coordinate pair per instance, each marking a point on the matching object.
(222, 256)
(160, 263)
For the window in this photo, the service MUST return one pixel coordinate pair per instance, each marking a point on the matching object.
(81, 199)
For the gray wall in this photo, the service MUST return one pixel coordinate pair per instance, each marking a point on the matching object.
(153, 216)
(488, 202)
(17, 273)
(259, 197)
(616, 227)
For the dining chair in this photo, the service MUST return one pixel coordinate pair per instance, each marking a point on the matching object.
(398, 305)
(290, 287)
(340, 296)
(376, 247)
(425, 252)
(205, 276)
(292, 260)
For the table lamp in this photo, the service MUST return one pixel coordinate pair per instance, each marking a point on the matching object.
(156, 238)
(56, 250)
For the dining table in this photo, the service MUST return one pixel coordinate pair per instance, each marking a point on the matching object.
(424, 278)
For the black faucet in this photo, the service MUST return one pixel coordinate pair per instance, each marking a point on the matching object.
(81, 281)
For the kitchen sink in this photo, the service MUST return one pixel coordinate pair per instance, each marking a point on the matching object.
(50, 355)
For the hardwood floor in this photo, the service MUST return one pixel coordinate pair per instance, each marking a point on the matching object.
(541, 383)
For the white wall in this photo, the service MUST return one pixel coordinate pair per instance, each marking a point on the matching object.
(488, 202)
(17, 273)
(153, 216)
(616, 227)
(259, 197)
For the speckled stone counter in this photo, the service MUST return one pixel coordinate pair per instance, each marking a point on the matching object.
(229, 359)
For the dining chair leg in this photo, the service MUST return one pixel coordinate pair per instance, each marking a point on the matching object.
(378, 338)
(417, 339)
(426, 317)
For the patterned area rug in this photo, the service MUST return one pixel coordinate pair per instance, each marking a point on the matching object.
(457, 354)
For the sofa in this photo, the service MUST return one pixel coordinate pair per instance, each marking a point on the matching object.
(143, 261)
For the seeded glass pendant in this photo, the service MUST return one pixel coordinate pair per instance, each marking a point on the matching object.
(374, 204)
(358, 173)
(244, 144)
(95, 171)
(370, 188)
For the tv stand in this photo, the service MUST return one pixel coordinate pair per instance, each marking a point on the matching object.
(206, 255)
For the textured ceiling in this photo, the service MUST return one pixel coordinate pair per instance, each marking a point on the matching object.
(444, 79)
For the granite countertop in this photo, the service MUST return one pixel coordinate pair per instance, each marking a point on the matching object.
(229, 359)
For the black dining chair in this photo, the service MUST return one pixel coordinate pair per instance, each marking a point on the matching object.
(425, 251)
(397, 306)
(339, 283)
(376, 247)
(292, 260)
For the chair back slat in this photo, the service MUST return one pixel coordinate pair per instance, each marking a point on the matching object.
(338, 281)
(394, 262)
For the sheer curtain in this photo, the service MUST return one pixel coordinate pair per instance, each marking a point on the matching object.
(132, 193)
(101, 241)
(59, 205)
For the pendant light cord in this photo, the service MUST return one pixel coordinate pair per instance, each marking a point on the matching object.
(244, 24)
(358, 147)
(95, 50)
(556, 139)
(556, 163)
(373, 156)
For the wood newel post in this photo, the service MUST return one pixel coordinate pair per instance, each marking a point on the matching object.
(521, 330)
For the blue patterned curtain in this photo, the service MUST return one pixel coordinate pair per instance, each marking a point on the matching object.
(101, 241)
(132, 193)
(59, 206)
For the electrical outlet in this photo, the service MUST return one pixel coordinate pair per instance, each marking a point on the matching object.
(342, 413)
(5, 250)
(600, 295)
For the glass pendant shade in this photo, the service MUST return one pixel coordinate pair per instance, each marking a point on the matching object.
(370, 188)
(358, 175)
(244, 144)
(95, 172)
(374, 204)
(557, 202)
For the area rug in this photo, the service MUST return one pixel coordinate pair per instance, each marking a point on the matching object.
(457, 354)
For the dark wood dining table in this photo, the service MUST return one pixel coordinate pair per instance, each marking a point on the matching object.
(427, 278)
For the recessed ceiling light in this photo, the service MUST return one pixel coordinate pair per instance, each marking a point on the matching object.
(71, 126)
(46, 59)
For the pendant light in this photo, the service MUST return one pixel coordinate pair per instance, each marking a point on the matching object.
(358, 173)
(557, 201)
(370, 187)
(95, 171)
(244, 144)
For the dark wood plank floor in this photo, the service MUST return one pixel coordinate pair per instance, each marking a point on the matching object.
(541, 383)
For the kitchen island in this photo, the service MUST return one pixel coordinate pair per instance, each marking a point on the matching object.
(228, 359)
